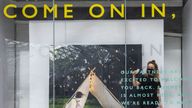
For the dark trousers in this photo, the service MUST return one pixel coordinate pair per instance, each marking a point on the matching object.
(148, 107)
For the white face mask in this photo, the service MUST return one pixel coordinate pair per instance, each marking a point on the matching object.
(78, 103)
(77, 99)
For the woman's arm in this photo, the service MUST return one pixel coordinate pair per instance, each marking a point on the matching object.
(135, 82)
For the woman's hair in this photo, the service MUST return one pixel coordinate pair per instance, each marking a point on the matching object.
(154, 63)
(156, 67)
(79, 94)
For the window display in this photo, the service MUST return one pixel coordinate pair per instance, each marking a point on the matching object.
(94, 54)
(78, 51)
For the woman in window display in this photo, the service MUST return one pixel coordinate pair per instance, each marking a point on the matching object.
(78, 97)
(149, 85)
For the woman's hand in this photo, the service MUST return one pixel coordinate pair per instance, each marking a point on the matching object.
(146, 74)
(135, 82)
(135, 72)
(160, 106)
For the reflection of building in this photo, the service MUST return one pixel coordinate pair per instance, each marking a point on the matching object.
(14, 81)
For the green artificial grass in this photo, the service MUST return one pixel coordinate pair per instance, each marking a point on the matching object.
(60, 102)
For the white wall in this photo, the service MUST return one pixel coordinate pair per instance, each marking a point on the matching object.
(187, 52)
(87, 32)
(40, 39)
(149, 33)
(172, 71)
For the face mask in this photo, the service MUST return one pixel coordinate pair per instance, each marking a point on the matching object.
(78, 99)
(151, 71)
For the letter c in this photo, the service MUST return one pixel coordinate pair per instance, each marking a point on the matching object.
(6, 11)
